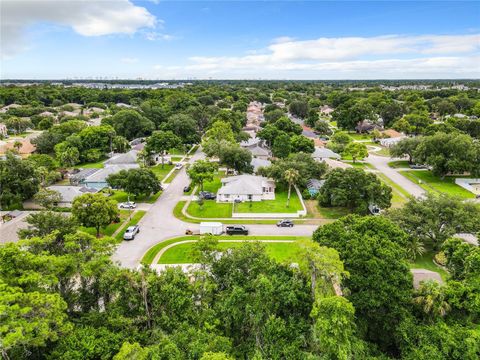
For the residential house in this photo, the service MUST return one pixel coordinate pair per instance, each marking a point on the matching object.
(69, 193)
(314, 186)
(25, 146)
(129, 157)
(322, 153)
(367, 126)
(389, 142)
(258, 163)
(246, 188)
(97, 178)
(8, 107)
(335, 164)
(326, 110)
(3, 130)
(257, 147)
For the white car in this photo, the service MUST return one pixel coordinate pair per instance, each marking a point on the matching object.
(131, 232)
(128, 205)
(178, 166)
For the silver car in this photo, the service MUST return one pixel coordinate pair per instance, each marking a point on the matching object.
(131, 232)
(127, 205)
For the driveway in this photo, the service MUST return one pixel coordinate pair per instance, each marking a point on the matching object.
(160, 224)
(381, 163)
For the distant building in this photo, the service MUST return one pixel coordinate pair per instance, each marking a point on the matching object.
(322, 153)
(258, 163)
(69, 193)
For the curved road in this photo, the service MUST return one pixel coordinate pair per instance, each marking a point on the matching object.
(160, 224)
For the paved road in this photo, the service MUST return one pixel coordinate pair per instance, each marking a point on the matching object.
(381, 163)
(160, 224)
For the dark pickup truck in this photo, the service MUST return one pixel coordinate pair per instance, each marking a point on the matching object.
(236, 230)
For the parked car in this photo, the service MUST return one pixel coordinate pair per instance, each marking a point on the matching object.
(236, 230)
(285, 223)
(418, 166)
(127, 205)
(207, 195)
(131, 232)
(186, 189)
(178, 166)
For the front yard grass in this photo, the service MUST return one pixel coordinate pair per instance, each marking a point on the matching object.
(94, 165)
(213, 186)
(109, 229)
(210, 209)
(435, 184)
(279, 205)
(122, 196)
(399, 164)
(426, 262)
(161, 172)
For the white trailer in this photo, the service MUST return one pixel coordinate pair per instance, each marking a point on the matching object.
(214, 228)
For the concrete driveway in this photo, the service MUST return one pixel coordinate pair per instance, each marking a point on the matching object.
(160, 224)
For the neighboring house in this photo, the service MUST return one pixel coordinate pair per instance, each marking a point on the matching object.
(26, 147)
(322, 153)
(69, 193)
(246, 188)
(421, 275)
(335, 164)
(326, 110)
(257, 147)
(129, 157)
(98, 180)
(391, 141)
(314, 186)
(468, 238)
(8, 107)
(123, 105)
(259, 152)
(258, 163)
(3, 130)
(367, 126)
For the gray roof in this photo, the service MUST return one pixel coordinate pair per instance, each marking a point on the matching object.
(102, 174)
(83, 173)
(258, 163)
(315, 184)
(325, 153)
(251, 142)
(258, 151)
(125, 158)
(68, 193)
(243, 185)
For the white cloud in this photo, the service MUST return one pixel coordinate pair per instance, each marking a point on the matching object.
(355, 57)
(129, 60)
(87, 18)
(155, 36)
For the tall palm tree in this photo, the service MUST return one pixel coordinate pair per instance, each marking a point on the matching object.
(431, 298)
(415, 247)
(291, 176)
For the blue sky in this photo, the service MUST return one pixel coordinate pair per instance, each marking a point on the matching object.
(239, 39)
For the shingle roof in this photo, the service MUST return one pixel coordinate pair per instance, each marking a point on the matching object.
(324, 153)
(257, 163)
(68, 193)
(102, 174)
(126, 158)
(243, 185)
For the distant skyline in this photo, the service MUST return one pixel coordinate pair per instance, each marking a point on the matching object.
(154, 39)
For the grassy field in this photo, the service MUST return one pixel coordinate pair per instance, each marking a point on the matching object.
(432, 183)
(161, 173)
(182, 254)
(426, 262)
(279, 205)
(109, 229)
(177, 212)
(95, 165)
(213, 186)
(122, 196)
(153, 251)
(137, 216)
(356, 136)
(210, 209)
(399, 164)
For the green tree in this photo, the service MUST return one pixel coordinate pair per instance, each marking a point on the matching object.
(47, 198)
(356, 151)
(43, 223)
(435, 218)
(291, 177)
(405, 147)
(430, 298)
(354, 189)
(322, 127)
(160, 142)
(67, 155)
(17, 125)
(372, 247)
(235, 157)
(281, 146)
(135, 181)
(300, 143)
(184, 126)
(94, 210)
(130, 124)
(299, 108)
(339, 141)
(201, 171)
(348, 115)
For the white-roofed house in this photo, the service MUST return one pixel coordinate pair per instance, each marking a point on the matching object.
(322, 153)
(246, 188)
(258, 163)
(69, 193)
(98, 179)
(257, 147)
(129, 157)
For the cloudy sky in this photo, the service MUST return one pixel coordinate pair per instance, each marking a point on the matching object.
(155, 39)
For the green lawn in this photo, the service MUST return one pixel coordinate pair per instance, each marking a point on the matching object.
(356, 136)
(161, 172)
(279, 205)
(122, 196)
(432, 183)
(213, 186)
(333, 212)
(109, 229)
(426, 262)
(210, 209)
(177, 212)
(399, 164)
(399, 194)
(153, 251)
(95, 165)
(182, 254)
(360, 165)
(137, 216)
